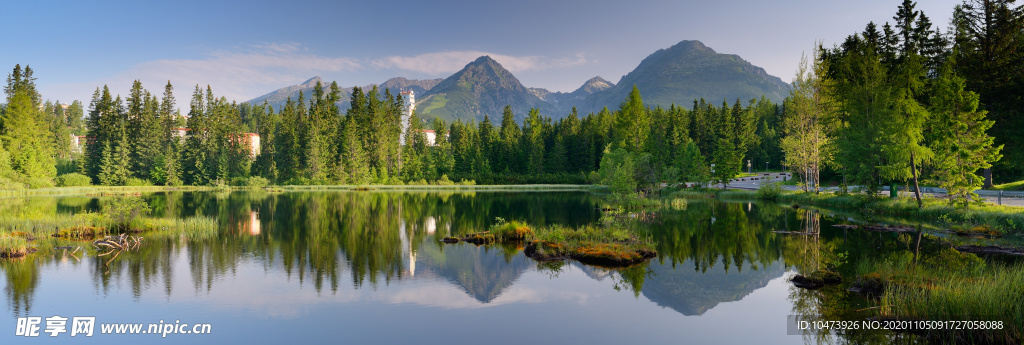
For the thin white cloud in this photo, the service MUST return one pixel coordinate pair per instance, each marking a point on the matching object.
(238, 74)
(243, 73)
(451, 61)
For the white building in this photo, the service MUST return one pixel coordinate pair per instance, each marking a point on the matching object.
(77, 143)
(408, 106)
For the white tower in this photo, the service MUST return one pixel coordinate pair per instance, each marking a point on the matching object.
(409, 105)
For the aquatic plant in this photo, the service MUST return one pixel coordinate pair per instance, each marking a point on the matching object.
(12, 246)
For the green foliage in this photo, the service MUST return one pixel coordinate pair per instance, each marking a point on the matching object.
(136, 182)
(959, 139)
(73, 180)
(121, 213)
(26, 138)
(768, 191)
(633, 123)
(256, 182)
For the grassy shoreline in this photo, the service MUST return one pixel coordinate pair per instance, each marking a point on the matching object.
(948, 285)
(123, 190)
(1005, 219)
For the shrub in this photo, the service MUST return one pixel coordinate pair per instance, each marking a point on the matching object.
(8, 184)
(37, 182)
(768, 191)
(136, 182)
(73, 180)
(444, 181)
(123, 211)
(256, 182)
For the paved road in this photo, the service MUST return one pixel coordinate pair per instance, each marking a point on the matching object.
(753, 183)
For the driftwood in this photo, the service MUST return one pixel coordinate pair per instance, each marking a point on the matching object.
(889, 228)
(795, 233)
(991, 250)
(117, 244)
(845, 226)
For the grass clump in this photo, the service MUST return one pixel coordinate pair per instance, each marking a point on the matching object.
(193, 228)
(73, 180)
(1018, 185)
(12, 246)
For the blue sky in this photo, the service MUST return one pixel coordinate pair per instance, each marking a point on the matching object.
(244, 49)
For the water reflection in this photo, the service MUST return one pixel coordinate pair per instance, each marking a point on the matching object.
(711, 253)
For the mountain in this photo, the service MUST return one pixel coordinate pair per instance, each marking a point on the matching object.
(565, 101)
(278, 97)
(401, 84)
(687, 71)
(483, 87)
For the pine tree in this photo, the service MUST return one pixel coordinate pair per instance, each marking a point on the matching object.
(510, 161)
(27, 138)
(106, 174)
(633, 123)
(61, 132)
(167, 116)
(533, 140)
(266, 166)
(726, 156)
(122, 162)
(961, 144)
(691, 164)
(356, 168)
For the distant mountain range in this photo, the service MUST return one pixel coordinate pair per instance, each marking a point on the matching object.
(678, 75)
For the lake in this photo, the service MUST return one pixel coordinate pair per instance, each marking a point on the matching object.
(369, 267)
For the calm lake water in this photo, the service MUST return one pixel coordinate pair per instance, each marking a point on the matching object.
(368, 267)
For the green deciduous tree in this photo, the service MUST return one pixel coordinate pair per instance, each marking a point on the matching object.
(810, 121)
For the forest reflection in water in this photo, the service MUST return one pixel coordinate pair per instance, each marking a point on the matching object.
(710, 253)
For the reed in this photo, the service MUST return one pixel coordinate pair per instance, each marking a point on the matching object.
(193, 228)
(12, 246)
(951, 286)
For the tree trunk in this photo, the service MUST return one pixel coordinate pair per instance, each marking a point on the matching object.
(913, 172)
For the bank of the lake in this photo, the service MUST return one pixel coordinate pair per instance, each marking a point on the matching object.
(1007, 220)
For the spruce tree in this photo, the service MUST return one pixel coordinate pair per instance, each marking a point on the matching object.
(27, 138)
(354, 160)
(509, 161)
(633, 123)
(961, 145)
